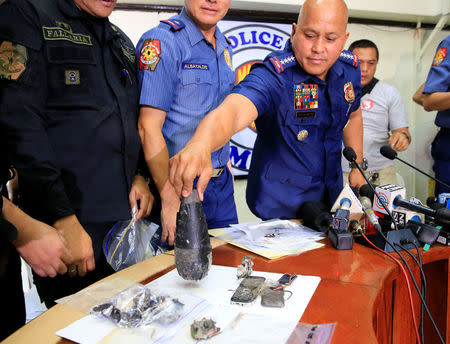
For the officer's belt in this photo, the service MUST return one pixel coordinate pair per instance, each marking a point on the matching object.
(217, 172)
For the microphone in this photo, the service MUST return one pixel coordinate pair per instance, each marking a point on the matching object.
(341, 217)
(391, 154)
(367, 207)
(441, 215)
(315, 215)
(349, 154)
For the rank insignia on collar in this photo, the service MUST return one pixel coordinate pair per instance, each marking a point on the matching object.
(349, 92)
(440, 56)
(227, 57)
(150, 51)
(306, 96)
(72, 77)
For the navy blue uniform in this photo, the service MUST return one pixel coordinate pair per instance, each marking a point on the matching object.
(297, 153)
(68, 108)
(10, 264)
(182, 73)
(438, 80)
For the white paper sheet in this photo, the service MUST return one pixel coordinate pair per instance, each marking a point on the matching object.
(208, 298)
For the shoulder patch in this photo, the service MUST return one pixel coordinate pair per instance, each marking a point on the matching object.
(282, 62)
(13, 60)
(175, 24)
(349, 58)
(440, 56)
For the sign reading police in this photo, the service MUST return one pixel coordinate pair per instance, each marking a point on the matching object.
(251, 43)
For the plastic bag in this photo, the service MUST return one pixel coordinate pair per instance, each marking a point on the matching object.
(138, 306)
(130, 242)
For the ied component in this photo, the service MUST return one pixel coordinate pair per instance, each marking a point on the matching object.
(193, 252)
(204, 329)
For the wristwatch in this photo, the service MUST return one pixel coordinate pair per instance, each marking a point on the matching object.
(362, 164)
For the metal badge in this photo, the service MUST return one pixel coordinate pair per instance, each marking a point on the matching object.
(302, 135)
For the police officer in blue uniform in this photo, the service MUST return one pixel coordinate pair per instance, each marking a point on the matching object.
(68, 110)
(434, 95)
(301, 98)
(185, 71)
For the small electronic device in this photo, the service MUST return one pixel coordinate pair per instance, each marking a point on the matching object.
(272, 298)
(287, 279)
(248, 290)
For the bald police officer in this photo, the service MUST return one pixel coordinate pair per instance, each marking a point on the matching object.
(305, 100)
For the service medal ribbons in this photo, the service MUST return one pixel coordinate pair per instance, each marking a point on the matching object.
(440, 56)
(306, 96)
(150, 51)
(349, 92)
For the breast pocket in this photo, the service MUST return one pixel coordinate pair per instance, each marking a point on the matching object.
(302, 125)
(71, 72)
(197, 89)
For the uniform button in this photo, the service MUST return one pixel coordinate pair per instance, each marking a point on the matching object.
(302, 135)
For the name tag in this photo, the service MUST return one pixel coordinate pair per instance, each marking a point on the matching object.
(305, 114)
(200, 66)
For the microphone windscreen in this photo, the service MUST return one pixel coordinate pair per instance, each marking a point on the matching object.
(367, 191)
(388, 152)
(315, 215)
(349, 154)
(365, 202)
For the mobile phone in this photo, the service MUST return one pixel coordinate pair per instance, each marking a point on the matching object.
(272, 298)
(248, 290)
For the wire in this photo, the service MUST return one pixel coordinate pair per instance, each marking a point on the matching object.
(407, 282)
(424, 288)
(423, 282)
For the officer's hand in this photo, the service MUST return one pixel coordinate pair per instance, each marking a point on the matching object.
(192, 161)
(42, 247)
(79, 244)
(170, 204)
(140, 191)
(398, 141)
(356, 179)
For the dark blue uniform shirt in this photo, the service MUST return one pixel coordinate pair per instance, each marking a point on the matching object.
(438, 79)
(297, 153)
(68, 108)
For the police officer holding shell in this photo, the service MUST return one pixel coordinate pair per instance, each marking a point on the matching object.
(305, 101)
(68, 110)
(185, 72)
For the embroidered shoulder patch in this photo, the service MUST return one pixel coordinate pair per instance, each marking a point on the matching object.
(150, 51)
(440, 56)
(13, 60)
(349, 92)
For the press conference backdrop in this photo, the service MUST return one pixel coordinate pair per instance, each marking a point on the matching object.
(251, 43)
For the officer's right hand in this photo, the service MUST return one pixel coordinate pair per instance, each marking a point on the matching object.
(79, 244)
(192, 161)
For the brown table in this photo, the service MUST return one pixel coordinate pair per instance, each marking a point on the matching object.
(362, 290)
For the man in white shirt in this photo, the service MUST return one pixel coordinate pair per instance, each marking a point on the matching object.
(384, 118)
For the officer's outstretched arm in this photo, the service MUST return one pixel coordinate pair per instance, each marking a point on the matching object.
(353, 137)
(214, 131)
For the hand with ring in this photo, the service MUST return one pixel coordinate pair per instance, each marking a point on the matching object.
(72, 271)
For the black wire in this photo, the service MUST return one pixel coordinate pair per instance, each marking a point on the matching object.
(379, 230)
(423, 281)
(424, 287)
